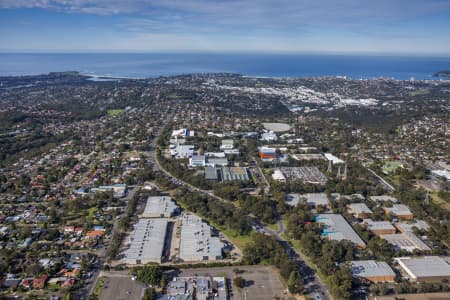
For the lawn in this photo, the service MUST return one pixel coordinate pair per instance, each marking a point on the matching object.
(115, 112)
(439, 201)
(420, 92)
(390, 166)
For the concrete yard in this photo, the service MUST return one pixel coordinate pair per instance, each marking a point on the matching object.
(263, 283)
(122, 288)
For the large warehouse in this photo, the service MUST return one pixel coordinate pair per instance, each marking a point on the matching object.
(160, 207)
(147, 242)
(196, 242)
(427, 268)
(337, 228)
(373, 271)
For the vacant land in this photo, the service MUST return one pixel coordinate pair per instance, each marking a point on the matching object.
(262, 282)
(122, 288)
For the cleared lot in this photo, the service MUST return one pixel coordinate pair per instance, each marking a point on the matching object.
(262, 283)
(122, 288)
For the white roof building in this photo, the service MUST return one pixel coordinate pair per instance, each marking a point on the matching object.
(428, 268)
(335, 160)
(269, 136)
(375, 271)
(311, 199)
(160, 207)
(406, 241)
(359, 209)
(383, 198)
(196, 242)
(147, 242)
(278, 175)
(410, 225)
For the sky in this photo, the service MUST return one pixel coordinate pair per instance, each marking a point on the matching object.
(416, 27)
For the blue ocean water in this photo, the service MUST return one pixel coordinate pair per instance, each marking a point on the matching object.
(271, 65)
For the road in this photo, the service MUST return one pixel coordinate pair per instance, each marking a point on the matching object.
(389, 186)
(314, 284)
(101, 255)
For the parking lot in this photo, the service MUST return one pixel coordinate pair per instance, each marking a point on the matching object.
(122, 288)
(262, 283)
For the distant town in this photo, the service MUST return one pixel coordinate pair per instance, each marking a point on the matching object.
(220, 186)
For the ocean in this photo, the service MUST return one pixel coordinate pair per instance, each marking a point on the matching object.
(141, 65)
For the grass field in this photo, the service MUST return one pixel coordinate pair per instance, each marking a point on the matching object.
(115, 112)
(439, 201)
(420, 92)
(390, 166)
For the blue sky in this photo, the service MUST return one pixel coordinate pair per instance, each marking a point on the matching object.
(291, 26)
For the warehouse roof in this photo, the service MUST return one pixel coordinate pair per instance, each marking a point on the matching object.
(147, 240)
(338, 229)
(428, 266)
(383, 198)
(359, 208)
(398, 210)
(378, 225)
(196, 240)
(406, 241)
(158, 206)
(371, 268)
(409, 226)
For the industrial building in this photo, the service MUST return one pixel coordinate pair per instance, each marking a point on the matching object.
(217, 162)
(196, 242)
(269, 137)
(337, 228)
(335, 160)
(359, 210)
(183, 132)
(406, 241)
(147, 242)
(311, 199)
(197, 161)
(305, 174)
(400, 211)
(278, 175)
(234, 174)
(211, 173)
(267, 154)
(405, 226)
(160, 207)
(373, 271)
(182, 151)
(427, 268)
(379, 227)
(383, 198)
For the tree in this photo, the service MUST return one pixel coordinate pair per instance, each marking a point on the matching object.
(295, 282)
(239, 282)
(150, 294)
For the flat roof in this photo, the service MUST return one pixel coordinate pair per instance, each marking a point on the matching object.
(398, 210)
(338, 229)
(371, 268)
(309, 198)
(358, 208)
(159, 206)
(409, 226)
(427, 266)
(383, 198)
(378, 225)
(147, 240)
(406, 241)
(196, 241)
